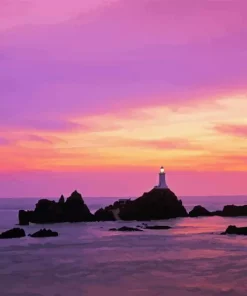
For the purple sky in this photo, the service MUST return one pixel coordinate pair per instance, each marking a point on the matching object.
(82, 80)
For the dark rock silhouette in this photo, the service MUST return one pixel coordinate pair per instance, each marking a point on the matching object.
(61, 200)
(156, 204)
(216, 213)
(76, 210)
(46, 211)
(44, 233)
(157, 227)
(232, 229)
(234, 211)
(25, 217)
(199, 211)
(125, 228)
(104, 215)
(13, 233)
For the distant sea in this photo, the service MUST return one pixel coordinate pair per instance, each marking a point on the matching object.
(86, 259)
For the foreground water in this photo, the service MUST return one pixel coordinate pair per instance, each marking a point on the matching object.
(86, 259)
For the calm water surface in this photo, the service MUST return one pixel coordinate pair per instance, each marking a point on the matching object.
(86, 259)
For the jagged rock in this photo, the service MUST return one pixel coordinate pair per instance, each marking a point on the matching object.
(234, 211)
(125, 228)
(61, 200)
(199, 211)
(232, 229)
(76, 210)
(44, 233)
(13, 233)
(104, 215)
(46, 211)
(25, 217)
(158, 227)
(156, 204)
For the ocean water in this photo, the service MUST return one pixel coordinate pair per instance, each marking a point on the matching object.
(190, 259)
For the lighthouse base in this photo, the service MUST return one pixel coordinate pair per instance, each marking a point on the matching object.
(161, 187)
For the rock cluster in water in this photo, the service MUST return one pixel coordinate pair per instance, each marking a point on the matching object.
(13, 233)
(156, 204)
(232, 229)
(46, 211)
(228, 211)
(19, 232)
(44, 233)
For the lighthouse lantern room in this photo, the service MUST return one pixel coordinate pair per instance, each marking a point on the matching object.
(162, 179)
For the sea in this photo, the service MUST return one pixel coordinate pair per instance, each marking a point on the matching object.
(86, 259)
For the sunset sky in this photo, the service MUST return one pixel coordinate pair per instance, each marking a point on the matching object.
(96, 95)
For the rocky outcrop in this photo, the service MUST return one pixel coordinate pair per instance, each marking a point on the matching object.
(156, 204)
(232, 229)
(44, 233)
(13, 233)
(61, 200)
(25, 217)
(107, 213)
(228, 211)
(104, 215)
(46, 211)
(199, 211)
(234, 211)
(125, 228)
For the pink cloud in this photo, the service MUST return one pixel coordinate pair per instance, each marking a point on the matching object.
(68, 59)
(163, 144)
(237, 130)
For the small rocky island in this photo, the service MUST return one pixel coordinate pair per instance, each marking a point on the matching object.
(159, 203)
(156, 204)
(73, 209)
(228, 211)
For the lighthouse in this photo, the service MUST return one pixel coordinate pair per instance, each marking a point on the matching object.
(162, 179)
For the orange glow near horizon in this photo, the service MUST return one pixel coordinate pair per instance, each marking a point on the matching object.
(184, 139)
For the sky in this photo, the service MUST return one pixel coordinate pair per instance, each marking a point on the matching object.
(96, 95)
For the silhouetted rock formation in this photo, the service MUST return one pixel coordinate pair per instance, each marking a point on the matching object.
(156, 204)
(44, 233)
(232, 229)
(61, 200)
(104, 215)
(46, 211)
(157, 227)
(13, 233)
(234, 211)
(125, 228)
(25, 217)
(199, 211)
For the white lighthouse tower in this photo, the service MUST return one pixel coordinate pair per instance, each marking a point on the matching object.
(162, 179)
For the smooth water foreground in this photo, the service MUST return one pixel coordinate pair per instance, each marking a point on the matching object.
(190, 259)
